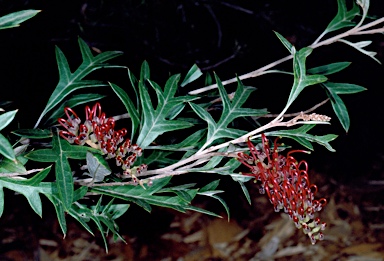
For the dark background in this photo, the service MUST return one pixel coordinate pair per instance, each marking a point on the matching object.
(226, 37)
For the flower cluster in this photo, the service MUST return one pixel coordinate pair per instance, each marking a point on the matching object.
(287, 185)
(99, 132)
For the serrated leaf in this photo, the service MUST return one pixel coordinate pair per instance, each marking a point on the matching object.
(301, 136)
(154, 122)
(193, 74)
(14, 19)
(70, 82)
(6, 148)
(33, 133)
(329, 68)
(285, 42)
(132, 111)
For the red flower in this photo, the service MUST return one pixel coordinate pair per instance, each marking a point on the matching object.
(99, 132)
(287, 185)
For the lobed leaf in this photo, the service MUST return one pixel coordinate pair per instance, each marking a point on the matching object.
(154, 122)
(231, 111)
(69, 82)
(343, 17)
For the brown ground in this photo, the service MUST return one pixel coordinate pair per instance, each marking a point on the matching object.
(354, 216)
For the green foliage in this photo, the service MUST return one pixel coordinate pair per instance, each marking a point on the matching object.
(70, 82)
(177, 133)
(14, 19)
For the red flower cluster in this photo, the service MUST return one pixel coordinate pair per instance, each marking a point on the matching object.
(99, 132)
(287, 185)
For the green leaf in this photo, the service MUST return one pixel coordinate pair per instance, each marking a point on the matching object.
(193, 74)
(33, 133)
(329, 68)
(340, 110)
(132, 111)
(30, 188)
(6, 118)
(301, 136)
(343, 88)
(154, 121)
(333, 89)
(12, 166)
(231, 111)
(145, 197)
(14, 19)
(97, 167)
(6, 148)
(285, 42)
(343, 17)
(42, 155)
(301, 79)
(211, 186)
(359, 46)
(70, 82)
(212, 194)
(53, 196)
(144, 72)
(245, 191)
(60, 152)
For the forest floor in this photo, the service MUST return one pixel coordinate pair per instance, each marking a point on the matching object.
(354, 216)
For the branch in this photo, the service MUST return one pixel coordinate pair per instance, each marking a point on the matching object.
(296, 113)
(354, 31)
(15, 174)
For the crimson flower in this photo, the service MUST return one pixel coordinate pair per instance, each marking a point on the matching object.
(99, 132)
(286, 182)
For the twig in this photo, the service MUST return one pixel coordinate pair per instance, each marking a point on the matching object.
(15, 174)
(354, 31)
(296, 113)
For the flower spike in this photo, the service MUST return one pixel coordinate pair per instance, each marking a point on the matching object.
(99, 132)
(286, 183)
